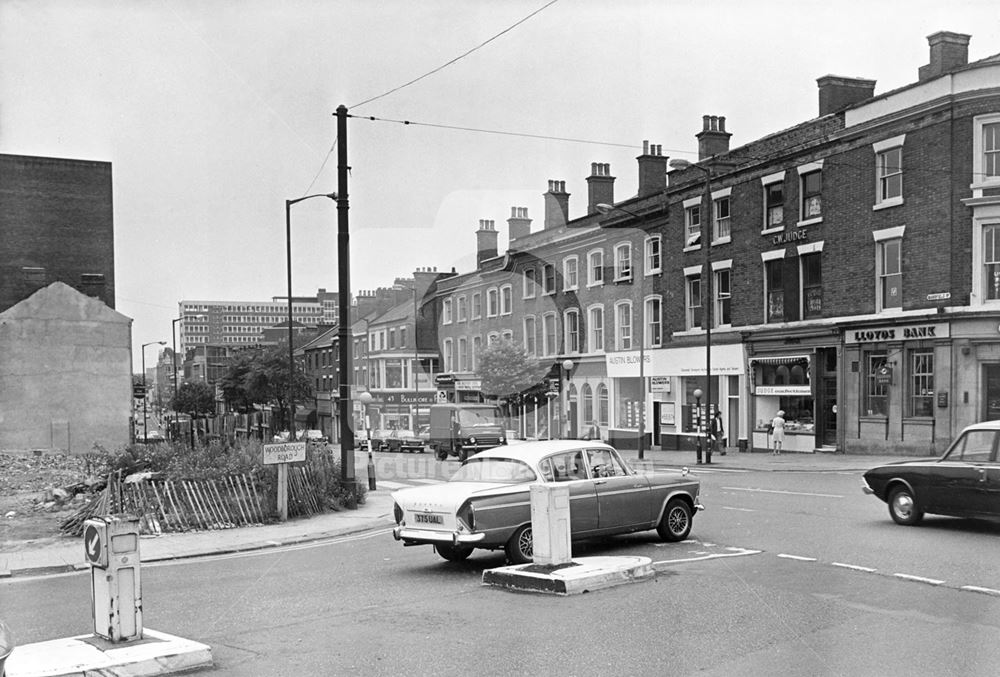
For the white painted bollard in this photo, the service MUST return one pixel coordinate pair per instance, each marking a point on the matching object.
(550, 526)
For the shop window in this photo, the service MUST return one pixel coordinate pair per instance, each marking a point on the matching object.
(393, 374)
(876, 387)
(587, 398)
(628, 404)
(921, 401)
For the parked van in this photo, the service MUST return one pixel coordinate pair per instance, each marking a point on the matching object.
(464, 429)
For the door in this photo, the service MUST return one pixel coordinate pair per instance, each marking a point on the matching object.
(570, 467)
(992, 380)
(957, 484)
(622, 499)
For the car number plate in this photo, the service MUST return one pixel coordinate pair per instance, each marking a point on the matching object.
(421, 518)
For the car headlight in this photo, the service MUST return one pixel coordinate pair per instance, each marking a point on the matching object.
(472, 439)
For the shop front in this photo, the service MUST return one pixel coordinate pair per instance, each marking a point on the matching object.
(799, 376)
(665, 395)
(898, 378)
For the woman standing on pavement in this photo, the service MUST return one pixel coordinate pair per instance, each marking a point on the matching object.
(778, 432)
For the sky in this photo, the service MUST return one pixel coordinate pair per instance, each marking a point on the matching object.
(214, 113)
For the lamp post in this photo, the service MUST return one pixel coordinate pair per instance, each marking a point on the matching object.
(706, 238)
(604, 208)
(145, 427)
(173, 339)
(567, 366)
(291, 342)
(366, 399)
(697, 414)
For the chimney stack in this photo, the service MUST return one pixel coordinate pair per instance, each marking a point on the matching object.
(518, 225)
(948, 52)
(837, 93)
(600, 186)
(556, 205)
(486, 241)
(652, 170)
(713, 138)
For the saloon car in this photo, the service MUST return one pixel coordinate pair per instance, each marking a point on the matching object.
(403, 439)
(963, 482)
(486, 503)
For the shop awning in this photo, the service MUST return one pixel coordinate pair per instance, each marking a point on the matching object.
(784, 359)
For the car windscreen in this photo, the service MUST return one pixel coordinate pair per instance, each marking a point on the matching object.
(477, 417)
(504, 470)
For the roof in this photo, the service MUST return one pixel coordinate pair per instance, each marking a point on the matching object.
(533, 452)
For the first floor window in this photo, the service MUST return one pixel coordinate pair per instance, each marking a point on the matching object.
(549, 330)
(477, 348)
(595, 267)
(921, 383)
(775, 290)
(572, 330)
(889, 165)
(723, 297)
(812, 285)
(623, 326)
(623, 261)
(692, 225)
(876, 386)
(991, 261)
(774, 205)
(693, 301)
(447, 356)
(596, 330)
(721, 225)
(653, 262)
(812, 195)
(991, 151)
(529, 335)
(653, 335)
(463, 354)
(891, 273)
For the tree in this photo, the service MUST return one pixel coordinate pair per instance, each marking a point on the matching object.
(195, 398)
(506, 371)
(260, 377)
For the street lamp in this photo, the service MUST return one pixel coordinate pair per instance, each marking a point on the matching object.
(697, 414)
(366, 399)
(291, 343)
(604, 208)
(706, 238)
(567, 366)
(145, 428)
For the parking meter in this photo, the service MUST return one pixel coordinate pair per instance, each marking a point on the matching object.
(111, 547)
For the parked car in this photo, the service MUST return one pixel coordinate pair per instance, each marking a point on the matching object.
(486, 504)
(380, 439)
(425, 435)
(963, 482)
(403, 439)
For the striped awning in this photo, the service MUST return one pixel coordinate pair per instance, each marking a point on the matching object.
(784, 359)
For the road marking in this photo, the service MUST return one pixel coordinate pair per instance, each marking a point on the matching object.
(854, 567)
(976, 588)
(919, 579)
(426, 481)
(739, 470)
(741, 552)
(797, 557)
(392, 485)
(778, 491)
(726, 507)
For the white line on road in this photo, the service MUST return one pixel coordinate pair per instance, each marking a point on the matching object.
(392, 485)
(726, 507)
(778, 491)
(426, 481)
(797, 557)
(720, 555)
(854, 567)
(919, 579)
(976, 588)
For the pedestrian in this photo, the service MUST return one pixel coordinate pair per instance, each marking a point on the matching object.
(593, 432)
(778, 431)
(717, 432)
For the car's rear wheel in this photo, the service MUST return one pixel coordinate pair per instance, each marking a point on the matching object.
(452, 553)
(520, 548)
(675, 525)
(903, 507)
(440, 454)
(462, 454)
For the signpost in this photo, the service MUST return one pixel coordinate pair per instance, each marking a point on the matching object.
(281, 455)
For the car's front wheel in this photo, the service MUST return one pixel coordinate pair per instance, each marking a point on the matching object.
(440, 453)
(675, 525)
(903, 507)
(520, 548)
(452, 553)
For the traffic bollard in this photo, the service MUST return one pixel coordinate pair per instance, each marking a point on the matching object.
(371, 472)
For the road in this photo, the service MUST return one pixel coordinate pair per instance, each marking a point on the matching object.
(786, 573)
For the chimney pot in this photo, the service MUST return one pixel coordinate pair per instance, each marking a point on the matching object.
(556, 205)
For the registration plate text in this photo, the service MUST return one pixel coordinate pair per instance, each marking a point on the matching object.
(421, 518)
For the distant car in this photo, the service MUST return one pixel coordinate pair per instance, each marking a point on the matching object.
(380, 439)
(486, 504)
(316, 436)
(424, 434)
(403, 439)
(963, 482)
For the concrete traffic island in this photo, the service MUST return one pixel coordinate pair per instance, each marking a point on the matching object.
(157, 653)
(581, 574)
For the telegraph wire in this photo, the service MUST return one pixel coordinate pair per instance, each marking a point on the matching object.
(457, 58)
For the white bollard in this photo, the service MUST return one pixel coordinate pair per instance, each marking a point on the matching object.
(550, 525)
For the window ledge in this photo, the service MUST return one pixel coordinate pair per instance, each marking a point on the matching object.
(886, 204)
(810, 222)
(722, 240)
(773, 229)
(692, 248)
(595, 284)
(623, 280)
(653, 272)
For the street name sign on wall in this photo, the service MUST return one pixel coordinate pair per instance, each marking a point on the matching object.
(286, 452)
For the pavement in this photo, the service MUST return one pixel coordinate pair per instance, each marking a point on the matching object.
(374, 513)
